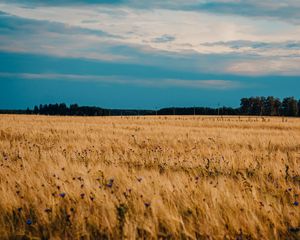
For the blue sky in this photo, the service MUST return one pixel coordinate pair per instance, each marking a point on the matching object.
(147, 54)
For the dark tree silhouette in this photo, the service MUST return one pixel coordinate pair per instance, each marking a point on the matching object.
(256, 106)
(289, 107)
(271, 106)
(245, 106)
(35, 110)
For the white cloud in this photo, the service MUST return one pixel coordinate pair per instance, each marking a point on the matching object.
(188, 32)
(139, 26)
(280, 66)
(156, 83)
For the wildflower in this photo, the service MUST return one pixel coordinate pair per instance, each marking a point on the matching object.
(48, 210)
(110, 183)
(139, 179)
(62, 195)
(296, 203)
(28, 222)
(147, 204)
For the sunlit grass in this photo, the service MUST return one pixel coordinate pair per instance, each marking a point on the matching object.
(149, 177)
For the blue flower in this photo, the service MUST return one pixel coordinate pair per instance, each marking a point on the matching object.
(62, 195)
(110, 183)
(28, 222)
(147, 204)
(296, 203)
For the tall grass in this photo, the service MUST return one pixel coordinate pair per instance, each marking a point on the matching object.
(149, 177)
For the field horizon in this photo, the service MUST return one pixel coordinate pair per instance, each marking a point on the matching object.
(149, 177)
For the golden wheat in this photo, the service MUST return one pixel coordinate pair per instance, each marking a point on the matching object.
(149, 177)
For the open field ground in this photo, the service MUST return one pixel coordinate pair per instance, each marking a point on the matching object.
(149, 177)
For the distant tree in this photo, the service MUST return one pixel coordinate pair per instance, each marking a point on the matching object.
(277, 107)
(271, 106)
(262, 105)
(289, 107)
(35, 110)
(41, 109)
(74, 109)
(56, 109)
(62, 109)
(256, 106)
(245, 106)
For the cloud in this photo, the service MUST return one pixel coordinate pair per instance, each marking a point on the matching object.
(20, 25)
(164, 38)
(286, 10)
(208, 84)
(196, 41)
(165, 67)
(47, 37)
(281, 66)
(62, 2)
(154, 83)
(276, 49)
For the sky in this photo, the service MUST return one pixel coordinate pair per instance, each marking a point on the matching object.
(147, 54)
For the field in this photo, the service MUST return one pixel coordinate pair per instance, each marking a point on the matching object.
(149, 177)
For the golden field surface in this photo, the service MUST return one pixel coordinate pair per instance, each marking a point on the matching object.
(154, 177)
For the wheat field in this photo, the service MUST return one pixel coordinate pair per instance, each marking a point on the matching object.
(174, 177)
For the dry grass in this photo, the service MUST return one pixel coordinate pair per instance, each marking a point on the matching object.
(149, 177)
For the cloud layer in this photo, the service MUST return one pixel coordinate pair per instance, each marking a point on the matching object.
(167, 29)
(195, 44)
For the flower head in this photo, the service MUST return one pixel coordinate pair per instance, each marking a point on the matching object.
(147, 204)
(139, 179)
(62, 195)
(28, 222)
(110, 183)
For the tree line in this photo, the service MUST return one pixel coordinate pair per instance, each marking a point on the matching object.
(270, 106)
(254, 106)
